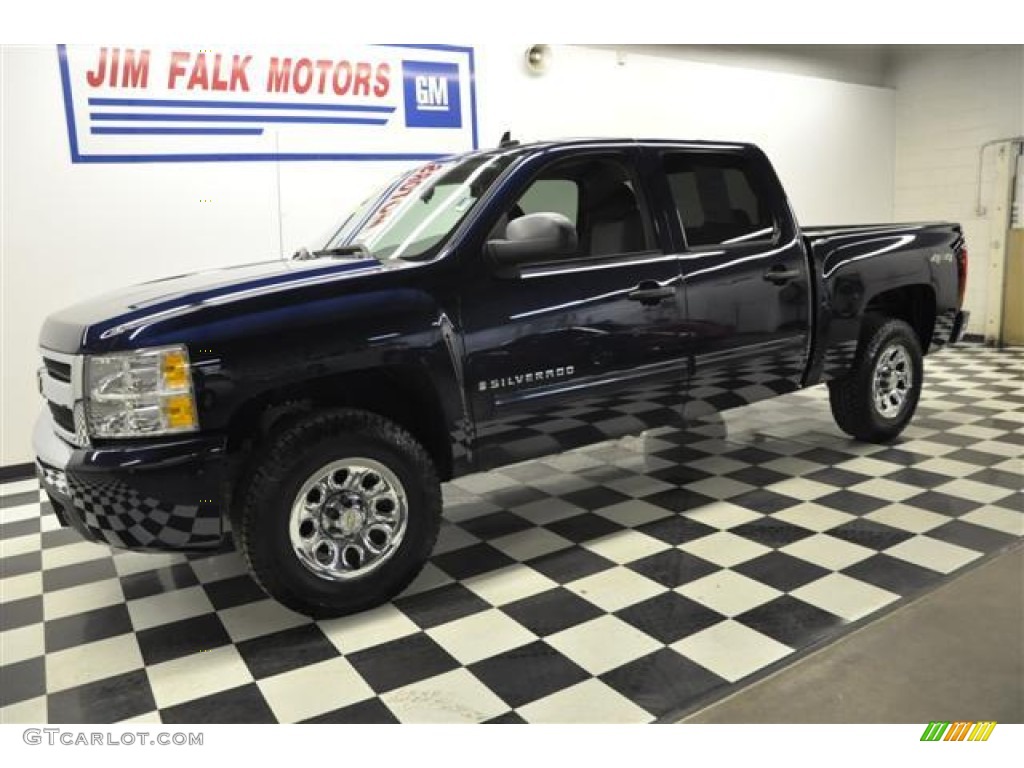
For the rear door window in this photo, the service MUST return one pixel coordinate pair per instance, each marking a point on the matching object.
(717, 199)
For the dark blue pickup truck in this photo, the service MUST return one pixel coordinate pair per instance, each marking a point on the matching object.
(480, 310)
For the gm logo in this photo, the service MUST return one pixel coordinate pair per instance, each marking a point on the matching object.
(432, 97)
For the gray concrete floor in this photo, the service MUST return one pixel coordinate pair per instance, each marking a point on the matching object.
(955, 654)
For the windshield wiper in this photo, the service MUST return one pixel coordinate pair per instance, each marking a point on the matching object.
(355, 249)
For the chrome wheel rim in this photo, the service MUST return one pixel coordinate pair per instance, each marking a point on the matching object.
(348, 519)
(892, 381)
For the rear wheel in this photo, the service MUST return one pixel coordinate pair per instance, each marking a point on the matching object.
(876, 401)
(341, 513)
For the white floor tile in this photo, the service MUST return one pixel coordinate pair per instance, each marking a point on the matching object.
(974, 491)
(85, 597)
(602, 644)
(728, 592)
(22, 643)
(91, 662)
(634, 512)
(590, 702)
(481, 635)
(309, 691)
(890, 490)
(931, 553)
(507, 585)
(197, 675)
(23, 585)
(24, 712)
(828, 551)
(615, 588)
(724, 548)
(814, 517)
(454, 697)
(846, 597)
(731, 650)
(625, 546)
(907, 518)
(165, 607)
(722, 515)
(997, 518)
(533, 542)
(263, 617)
(363, 630)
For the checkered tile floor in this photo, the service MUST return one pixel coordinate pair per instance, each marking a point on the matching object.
(624, 582)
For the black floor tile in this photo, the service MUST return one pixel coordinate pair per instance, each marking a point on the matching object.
(583, 528)
(824, 456)
(1012, 481)
(942, 503)
(105, 701)
(237, 590)
(870, 534)
(19, 499)
(673, 567)
(669, 617)
(155, 582)
(678, 499)
(972, 536)
(852, 502)
(892, 574)
(528, 673)
(757, 476)
(782, 571)
(182, 638)
(1014, 501)
(515, 497)
(663, 682)
(765, 502)
(369, 712)
(20, 613)
(78, 573)
(87, 627)
(16, 565)
(570, 564)
(771, 532)
(751, 455)
(472, 561)
(919, 478)
(244, 704)
(676, 530)
(498, 524)
(22, 680)
(594, 498)
(20, 528)
(59, 538)
(678, 475)
(552, 611)
(441, 605)
(391, 665)
(840, 478)
(287, 650)
(790, 621)
(509, 718)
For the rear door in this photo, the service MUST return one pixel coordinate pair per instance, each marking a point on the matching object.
(745, 272)
(585, 348)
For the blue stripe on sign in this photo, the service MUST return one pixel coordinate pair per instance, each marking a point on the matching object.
(186, 103)
(156, 117)
(110, 130)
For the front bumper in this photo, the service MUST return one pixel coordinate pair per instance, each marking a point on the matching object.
(157, 495)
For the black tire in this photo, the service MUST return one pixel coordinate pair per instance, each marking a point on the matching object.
(853, 405)
(288, 460)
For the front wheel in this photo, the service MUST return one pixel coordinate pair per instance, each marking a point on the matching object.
(341, 513)
(877, 399)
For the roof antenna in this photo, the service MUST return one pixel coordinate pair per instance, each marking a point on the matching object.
(507, 141)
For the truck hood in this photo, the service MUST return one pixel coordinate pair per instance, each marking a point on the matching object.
(112, 314)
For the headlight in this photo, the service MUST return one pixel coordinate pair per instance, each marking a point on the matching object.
(144, 392)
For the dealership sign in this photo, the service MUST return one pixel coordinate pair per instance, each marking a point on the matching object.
(130, 104)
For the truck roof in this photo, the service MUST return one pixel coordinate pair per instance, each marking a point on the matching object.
(541, 145)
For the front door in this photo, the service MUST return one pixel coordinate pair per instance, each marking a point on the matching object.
(581, 349)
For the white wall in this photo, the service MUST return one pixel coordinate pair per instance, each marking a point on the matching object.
(950, 101)
(70, 231)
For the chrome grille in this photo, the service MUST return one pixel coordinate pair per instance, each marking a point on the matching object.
(60, 381)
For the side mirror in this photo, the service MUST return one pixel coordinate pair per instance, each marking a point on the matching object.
(534, 237)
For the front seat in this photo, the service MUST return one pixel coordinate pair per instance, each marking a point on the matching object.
(615, 222)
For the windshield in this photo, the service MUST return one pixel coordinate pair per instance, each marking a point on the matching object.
(413, 215)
